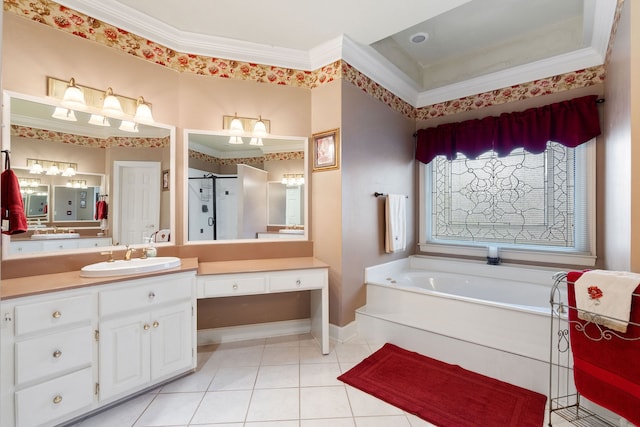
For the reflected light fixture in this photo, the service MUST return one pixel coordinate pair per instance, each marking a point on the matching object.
(259, 129)
(128, 126)
(73, 96)
(235, 140)
(256, 141)
(51, 167)
(143, 112)
(77, 183)
(99, 120)
(111, 105)
(293, 179)
(62, 113)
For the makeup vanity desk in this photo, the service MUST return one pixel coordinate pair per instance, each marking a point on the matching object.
(219, 279)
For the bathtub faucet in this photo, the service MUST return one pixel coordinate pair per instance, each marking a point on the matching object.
(492, 255)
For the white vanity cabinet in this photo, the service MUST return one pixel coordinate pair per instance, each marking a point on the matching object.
(70, 352)
(146, 334)
(276, 276)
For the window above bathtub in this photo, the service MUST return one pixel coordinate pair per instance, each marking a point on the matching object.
(533, 207)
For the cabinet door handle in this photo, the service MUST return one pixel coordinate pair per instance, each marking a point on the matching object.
(57, 399)
(152, 295)
(156, 324)
(298, 283)
(235, 286)
(146, 327)
(56, 314)
(57, 354)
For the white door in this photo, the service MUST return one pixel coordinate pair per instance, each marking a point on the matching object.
(200, 206)
(137, 203)
(124, 354)
(171, 340)
(226, 208)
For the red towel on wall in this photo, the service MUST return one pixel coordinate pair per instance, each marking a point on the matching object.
(102, 210)
(607, 372)
(12, 204)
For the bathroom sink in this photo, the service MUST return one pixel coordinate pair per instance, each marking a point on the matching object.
(290, 231)
(55, 236)
(135, 266)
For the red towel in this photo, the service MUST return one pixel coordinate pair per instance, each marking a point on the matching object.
(102, 210)
(12, 204)
(607, 372)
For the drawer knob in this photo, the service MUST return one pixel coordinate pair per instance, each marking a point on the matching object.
(152, 295)
(235, 286)
(146, 327)
(156, 324)
(298, 282)
(56, 314)
(57, 354)
(57, 399)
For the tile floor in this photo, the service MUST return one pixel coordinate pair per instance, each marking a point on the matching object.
(273, 382)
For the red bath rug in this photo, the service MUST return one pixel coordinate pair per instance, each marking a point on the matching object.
(443, 394)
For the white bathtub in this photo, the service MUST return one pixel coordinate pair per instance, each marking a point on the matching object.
(490, 319)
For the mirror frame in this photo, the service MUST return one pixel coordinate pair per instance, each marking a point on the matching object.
(7, 95)
(185, 189)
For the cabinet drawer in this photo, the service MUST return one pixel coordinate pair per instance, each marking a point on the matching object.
(295, 280)
(50, 314)
(145, 294)
(51, 400)
(231, 285)
(51, 354)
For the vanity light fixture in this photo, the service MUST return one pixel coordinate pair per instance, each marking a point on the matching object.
(62, 113)
(293, 179)
(51, 167)
(256, 141)
(143, 112)
(235, 140)
(29, 182)
(236, 127)
(111, 105)
(128, 126)
(77, 183)
(73, 96)
(99, 120)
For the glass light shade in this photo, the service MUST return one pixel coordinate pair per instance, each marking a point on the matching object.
(256, 141)
(111, 105)
(36, 168)
(62, 113)
(53, 170)
(235, 127)
(99, 120)
(69, 171)
(73, 96)
(128, 126)
(259, 129)
(235, 140)
(143, 112)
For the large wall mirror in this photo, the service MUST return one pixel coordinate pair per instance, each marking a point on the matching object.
(87, 186)
(242, 192)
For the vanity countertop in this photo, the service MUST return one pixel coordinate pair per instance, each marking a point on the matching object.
(259, 265)
(34, 285)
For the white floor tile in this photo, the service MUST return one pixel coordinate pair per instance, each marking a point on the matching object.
(124, 414)
(324, 402)
(387, 421)
(223, 407)
(197, 381)
(328, 422)
(314, 355)
(170, 409)
(319, 374)
(419, 422)
(278, 376)
(274, 404)
(234, 378)
(352, 352)
(292, 423)
(281, 356)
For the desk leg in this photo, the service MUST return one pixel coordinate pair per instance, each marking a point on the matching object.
(320, 317)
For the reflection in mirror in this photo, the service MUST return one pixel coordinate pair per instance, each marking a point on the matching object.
(230, 196)
(36, 201)
(83, 208)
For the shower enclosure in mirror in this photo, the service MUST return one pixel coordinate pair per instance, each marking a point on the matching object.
(242, 191)
(86, 186)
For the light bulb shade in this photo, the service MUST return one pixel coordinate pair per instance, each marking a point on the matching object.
(36, 168)
(128, 126)
(259, 129)
(235, 140)
(111, 105)
(53, 170)
(143, 112)
(99, 120)
(62, 113)
(73, 96)
(69, 171)
(256, 141)
(235, 127)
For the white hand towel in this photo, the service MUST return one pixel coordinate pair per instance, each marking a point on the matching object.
(606, 293)
(396, 223)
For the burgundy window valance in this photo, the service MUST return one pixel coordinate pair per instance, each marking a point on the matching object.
(569, 123)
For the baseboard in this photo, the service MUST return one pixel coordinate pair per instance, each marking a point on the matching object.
(343, 333)
(254, 331)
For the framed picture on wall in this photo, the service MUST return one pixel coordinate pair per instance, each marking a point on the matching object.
(326, 150)
(165, 180)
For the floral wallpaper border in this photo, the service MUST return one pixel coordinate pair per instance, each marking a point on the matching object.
(291, 155)
(57, 16)
(88, 141)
